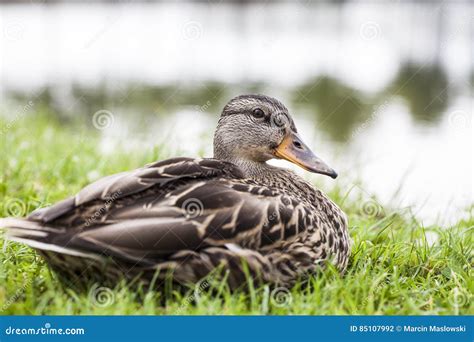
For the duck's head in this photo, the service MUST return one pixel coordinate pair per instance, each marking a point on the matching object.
(255, 128)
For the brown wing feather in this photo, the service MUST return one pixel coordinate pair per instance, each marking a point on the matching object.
(124, 184)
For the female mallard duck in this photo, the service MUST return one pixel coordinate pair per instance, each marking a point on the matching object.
(187, 216)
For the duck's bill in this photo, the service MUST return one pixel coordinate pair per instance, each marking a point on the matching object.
(293, 149)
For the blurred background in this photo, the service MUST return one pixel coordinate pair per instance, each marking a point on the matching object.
(383, 91)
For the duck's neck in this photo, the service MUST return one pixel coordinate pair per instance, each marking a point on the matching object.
(257, 170)
(264, 173)
(254, 169)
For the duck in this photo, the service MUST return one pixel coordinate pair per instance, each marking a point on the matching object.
(186, 218)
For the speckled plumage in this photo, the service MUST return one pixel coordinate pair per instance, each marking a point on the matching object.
(184, 217)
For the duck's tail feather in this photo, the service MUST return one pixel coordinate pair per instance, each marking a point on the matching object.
(28, 227)
(74, 267)
(38, 236)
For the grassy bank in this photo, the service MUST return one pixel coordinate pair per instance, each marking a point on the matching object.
(397, 265)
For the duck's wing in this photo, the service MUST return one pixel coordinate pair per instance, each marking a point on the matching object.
(121, 185)
(145, 215)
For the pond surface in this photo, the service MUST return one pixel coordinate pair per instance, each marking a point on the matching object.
(383, 93)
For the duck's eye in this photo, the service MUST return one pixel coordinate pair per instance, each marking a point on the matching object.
(258, 113)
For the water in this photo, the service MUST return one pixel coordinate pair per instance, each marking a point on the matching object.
(382, 92)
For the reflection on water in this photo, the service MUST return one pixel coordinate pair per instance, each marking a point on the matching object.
(425, 89)
(383, 93)
(338, 109)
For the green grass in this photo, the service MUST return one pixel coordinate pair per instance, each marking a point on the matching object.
(394, 269)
